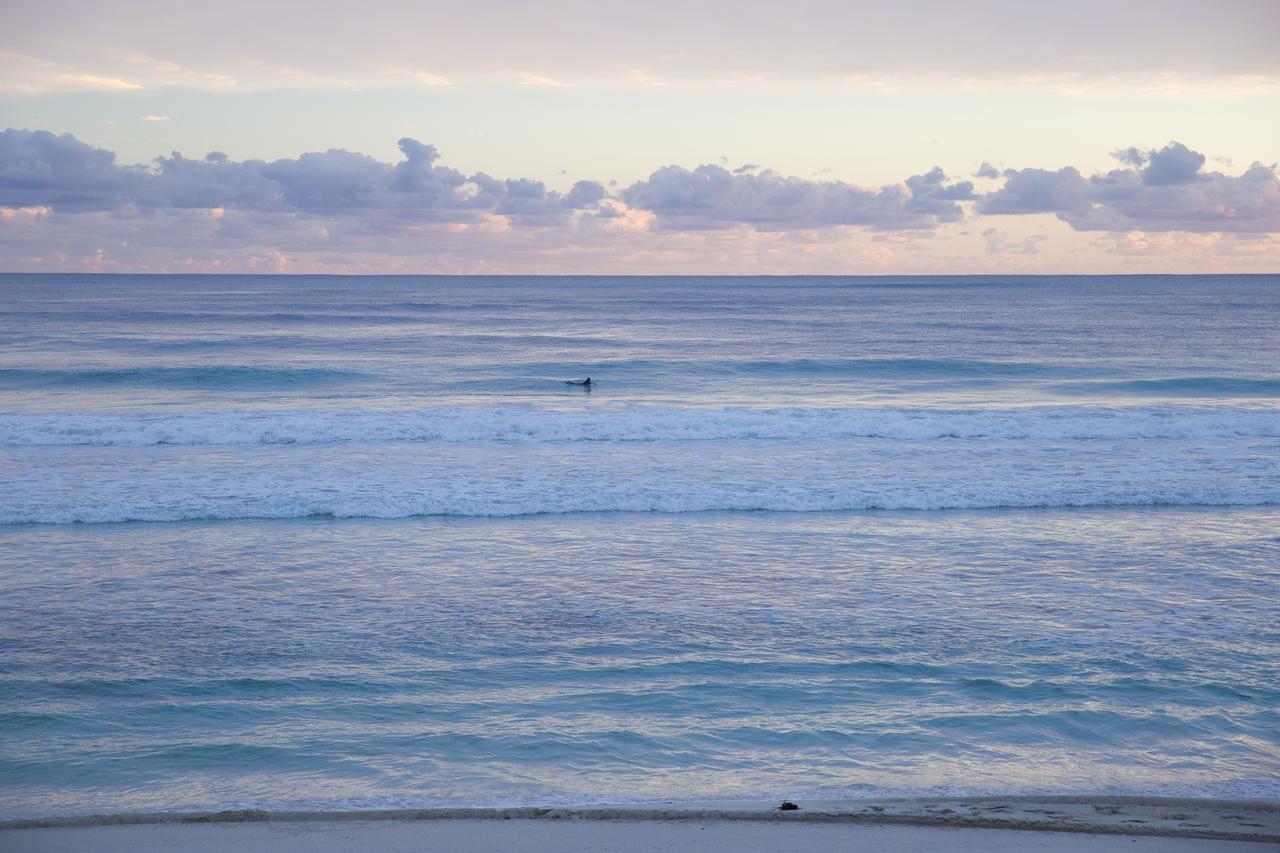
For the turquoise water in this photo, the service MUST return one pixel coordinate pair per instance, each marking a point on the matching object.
(330, 543)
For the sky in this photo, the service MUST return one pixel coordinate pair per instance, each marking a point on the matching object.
(662, 137)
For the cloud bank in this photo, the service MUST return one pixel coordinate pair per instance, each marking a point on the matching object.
(714, 197)
(67, 204)
(39, 169)
(1159, 190)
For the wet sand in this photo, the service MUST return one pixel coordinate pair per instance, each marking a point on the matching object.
(1006, 824)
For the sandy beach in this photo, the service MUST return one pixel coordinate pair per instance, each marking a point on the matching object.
(1009, 824)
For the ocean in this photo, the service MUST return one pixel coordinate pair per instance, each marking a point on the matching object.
(353, 542)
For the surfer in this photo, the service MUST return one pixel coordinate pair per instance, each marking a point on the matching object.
(585, 383)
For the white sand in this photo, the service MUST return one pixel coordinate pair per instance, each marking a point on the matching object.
(1136, 825)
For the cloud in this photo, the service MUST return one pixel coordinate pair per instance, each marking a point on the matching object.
(1173, 164)
(1131, 156)
(580, 40)
(986, 170)
(1038, 191)
(1187, 247)
(997, 242)
(67, 204)
(39, 168)
(528, 79)
(98, 82)
(1159, 190)
(25, 74)
(427, 79)
(712, 197)
(584, 194)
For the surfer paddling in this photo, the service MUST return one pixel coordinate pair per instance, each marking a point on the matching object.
(585, 383)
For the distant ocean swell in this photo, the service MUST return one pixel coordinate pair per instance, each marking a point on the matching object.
(407, 479)
(1178, 386)
(400, 508)
(1069, 380)
(461, 424)
(212, 377)
(244, 376)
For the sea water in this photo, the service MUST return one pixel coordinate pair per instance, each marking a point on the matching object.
(345, 542)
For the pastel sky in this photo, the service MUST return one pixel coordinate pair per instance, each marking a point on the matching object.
(812, 136)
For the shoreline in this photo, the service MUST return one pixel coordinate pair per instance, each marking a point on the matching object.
(1130, 816)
